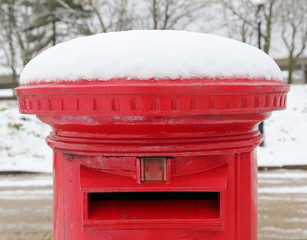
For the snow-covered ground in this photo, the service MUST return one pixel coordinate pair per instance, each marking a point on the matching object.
(22, 144)
(6, 93)
(23, 148)
(286, 132)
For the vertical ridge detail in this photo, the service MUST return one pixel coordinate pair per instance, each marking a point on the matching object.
(266, 101)
(135, 106)
(175, 104)
(155, 105)
(95, 108)
(256, 102)
(281, 100)
(243, 102)
(62, 104)
(78, 104)
(49, 105)
(194, 104)
(115, 105)
(275, 101)
(39, 106)
(228, 104)
(212, 103)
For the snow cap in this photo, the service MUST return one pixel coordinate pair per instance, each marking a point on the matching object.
(150, 54)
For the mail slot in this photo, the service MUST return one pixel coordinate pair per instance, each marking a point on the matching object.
(158, 158)
(153, 206)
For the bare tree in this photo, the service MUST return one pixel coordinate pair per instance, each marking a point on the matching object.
(240, 22)
(294, 31)
(241, 19)
(270, 15)
(274, 14)
(53, 18)
(24, 32)
(8, 30)
(114, 15)
(173, 14)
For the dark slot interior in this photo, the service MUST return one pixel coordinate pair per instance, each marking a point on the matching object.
(153, 205)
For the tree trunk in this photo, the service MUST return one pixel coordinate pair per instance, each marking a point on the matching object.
(291, 69)
(11, 25)
(154, 14)
(53, 33)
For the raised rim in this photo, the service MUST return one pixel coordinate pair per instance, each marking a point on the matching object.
(151, 98)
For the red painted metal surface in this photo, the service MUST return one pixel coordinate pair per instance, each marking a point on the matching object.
(154, 159)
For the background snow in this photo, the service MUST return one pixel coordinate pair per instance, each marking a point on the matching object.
(285, 132)
(22, 144)
(6, 93)
(146, 54)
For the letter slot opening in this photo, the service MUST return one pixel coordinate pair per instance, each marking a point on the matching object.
(153, 205)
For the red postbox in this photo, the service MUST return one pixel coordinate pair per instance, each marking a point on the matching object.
(158, 159)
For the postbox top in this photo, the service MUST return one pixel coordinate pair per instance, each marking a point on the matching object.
(150, 54)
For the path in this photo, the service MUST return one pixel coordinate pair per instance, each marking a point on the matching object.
(26, 206)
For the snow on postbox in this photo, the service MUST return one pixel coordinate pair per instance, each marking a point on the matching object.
(154, 133)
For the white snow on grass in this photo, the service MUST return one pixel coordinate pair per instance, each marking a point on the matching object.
(22, 141)
(278, 190)
(150, 54)
(26, 194)
(6, 93)
(35, 182)
(272, 181)
(283, 231)
(295, 220)
(275, 197)
(286, 132)
(280, 175)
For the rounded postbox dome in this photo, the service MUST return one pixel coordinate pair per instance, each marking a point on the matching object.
(149, 72)
(150, 54)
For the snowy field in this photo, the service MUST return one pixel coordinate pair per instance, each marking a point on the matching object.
(23, 148)
(6, 93)
(286, 132)
(22, 141)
